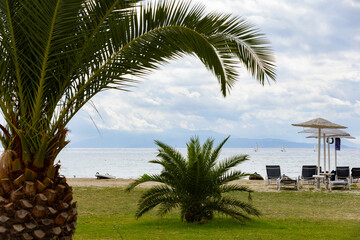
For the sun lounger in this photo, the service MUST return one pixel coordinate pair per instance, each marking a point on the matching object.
(340, 183)
(355, 174)
(342, 173)
(307, 173)
(287, 182)
(342, 178)
(273, 173)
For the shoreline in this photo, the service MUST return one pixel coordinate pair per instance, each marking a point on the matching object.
(256, 185)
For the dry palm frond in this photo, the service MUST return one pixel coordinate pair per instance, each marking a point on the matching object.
(5, 162)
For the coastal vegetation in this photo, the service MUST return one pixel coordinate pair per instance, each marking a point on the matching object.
(195, 184)
(56, 55)
(108, 213)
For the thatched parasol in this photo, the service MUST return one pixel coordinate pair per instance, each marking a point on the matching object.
(319, 123)
(329, 135)
(326, 131)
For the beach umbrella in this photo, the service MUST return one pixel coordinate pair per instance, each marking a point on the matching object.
(319, 123)
(346, 135)
(327, 133)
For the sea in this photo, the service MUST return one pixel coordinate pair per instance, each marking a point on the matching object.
(131, 163)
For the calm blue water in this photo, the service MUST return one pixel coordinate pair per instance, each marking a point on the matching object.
(133, 162)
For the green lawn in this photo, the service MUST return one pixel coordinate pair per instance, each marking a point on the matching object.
(108, 213)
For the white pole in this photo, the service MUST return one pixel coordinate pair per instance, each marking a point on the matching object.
(324, 154)
(319, 146)
(328, 139)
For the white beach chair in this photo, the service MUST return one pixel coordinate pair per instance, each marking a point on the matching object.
(340, 183)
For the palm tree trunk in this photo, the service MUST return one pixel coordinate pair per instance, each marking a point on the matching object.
(35, 208)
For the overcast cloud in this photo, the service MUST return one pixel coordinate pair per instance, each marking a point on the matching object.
(317, 48)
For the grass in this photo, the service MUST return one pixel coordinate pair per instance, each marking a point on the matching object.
(108, 213)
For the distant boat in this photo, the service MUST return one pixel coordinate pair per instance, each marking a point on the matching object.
(256, 148)
(104, 176)
(283, 148)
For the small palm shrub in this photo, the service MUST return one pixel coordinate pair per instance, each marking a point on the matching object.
(195, 184)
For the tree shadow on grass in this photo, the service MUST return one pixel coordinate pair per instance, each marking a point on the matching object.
(218, 222)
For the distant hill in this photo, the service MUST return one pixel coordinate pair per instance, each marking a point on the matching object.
(176, 138)
(265, 143)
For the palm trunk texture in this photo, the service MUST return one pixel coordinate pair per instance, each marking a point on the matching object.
(34, 208)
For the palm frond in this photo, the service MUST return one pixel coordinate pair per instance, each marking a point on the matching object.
(196, 188)
(56, 55)
(168, 206)
(207, 149)
(234, 188)
(161, 190)
(171, 156)
(229, 176)
(215, 153)
(238, 215)
(155, 196)
(229, 163)
(145, 178)
(243, 206)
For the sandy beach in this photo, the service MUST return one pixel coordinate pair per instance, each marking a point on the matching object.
(258, 186)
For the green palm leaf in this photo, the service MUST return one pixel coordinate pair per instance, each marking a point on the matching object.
(197, 187)
(56, 55)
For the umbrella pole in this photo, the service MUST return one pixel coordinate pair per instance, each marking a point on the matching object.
(328, 139)
(324, 154)
(335, 158)
(319, 146)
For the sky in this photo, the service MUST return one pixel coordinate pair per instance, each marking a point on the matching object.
(317, 51)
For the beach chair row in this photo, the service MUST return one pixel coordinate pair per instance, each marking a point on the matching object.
(341, 177)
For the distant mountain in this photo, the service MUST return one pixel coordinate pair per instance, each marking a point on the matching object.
(265, 143)
(176, 138)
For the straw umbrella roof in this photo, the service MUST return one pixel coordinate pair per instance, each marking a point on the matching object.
(335, 136)
(326, 131)
(318, 123)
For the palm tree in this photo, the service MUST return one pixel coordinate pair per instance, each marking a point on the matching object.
(57, 54)
(195, 184)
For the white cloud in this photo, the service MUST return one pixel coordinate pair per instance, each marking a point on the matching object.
(182, 92)
(316, 46)
(353, 3)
